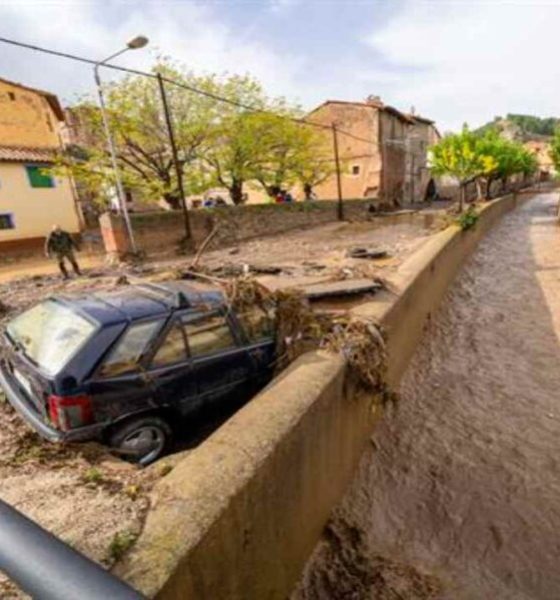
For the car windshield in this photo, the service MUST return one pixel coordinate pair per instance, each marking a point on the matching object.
(49, 334)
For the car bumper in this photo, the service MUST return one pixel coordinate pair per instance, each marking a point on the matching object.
(29, 413)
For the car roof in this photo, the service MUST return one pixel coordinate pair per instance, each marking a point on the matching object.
(135, 302)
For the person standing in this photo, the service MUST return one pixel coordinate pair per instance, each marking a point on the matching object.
(61, 244)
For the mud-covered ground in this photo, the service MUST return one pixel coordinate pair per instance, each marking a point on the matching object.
(81, 493)
(90, 499)
(458, 496)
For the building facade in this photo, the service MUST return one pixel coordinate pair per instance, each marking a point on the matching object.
(541, 150)
(31, 200)
(383, 151)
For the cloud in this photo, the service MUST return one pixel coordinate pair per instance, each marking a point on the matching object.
(471, 61)
(195, 34)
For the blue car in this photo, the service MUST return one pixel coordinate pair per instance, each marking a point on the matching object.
(130, 368)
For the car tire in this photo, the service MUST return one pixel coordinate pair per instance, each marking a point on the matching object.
(142, 440)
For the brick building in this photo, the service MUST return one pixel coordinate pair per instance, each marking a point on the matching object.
(383, 151)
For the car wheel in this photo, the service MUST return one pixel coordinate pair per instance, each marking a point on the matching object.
(142, 440)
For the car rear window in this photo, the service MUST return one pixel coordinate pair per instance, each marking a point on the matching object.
(50, 334)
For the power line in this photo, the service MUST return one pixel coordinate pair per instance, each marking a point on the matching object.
(179, 84)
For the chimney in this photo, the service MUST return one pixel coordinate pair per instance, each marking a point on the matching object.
(375, 100)
(412, 110)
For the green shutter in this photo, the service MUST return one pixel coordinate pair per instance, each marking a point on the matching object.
(37, 178)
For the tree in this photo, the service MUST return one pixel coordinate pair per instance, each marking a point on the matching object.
(555, 150)
(293, 153)
(510, 158)
(459, 156)
(267, 145)
(138, 126)
(220, 144)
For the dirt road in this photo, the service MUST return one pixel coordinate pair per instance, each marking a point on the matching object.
(459, 495)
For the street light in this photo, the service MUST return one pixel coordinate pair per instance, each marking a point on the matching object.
(138, 42)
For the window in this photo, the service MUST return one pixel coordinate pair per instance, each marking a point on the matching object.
(50, 334)
(7, 221)
(173, 348)
(37, 177)
(126, 354)
(208, 334)
(11, 96)
(355, 169)
(257, 324)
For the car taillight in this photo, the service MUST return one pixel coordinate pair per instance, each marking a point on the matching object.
(68, 412)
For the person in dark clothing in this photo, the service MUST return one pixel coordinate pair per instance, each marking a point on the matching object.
(60, 244)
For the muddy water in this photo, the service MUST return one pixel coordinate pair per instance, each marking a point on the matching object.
(458, 496)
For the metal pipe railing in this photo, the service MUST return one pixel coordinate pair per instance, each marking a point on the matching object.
(48, 569)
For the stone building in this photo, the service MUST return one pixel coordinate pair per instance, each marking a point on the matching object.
(541, 149)
(31, 201)
(421, 134)
(382, 150)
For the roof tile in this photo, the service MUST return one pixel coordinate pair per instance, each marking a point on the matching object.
(23, 154)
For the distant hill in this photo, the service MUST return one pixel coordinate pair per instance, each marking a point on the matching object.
(523, 127)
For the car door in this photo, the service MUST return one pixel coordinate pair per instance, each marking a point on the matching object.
(220, 362)
(258, 331)
(171, 371)
(119, 386)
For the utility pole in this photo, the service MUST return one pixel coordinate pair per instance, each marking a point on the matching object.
(412, 175)
(338, 179)
(134, 44)
(177, 164)
(113, 155)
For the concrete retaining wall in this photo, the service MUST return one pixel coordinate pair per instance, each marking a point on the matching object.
(238, 518)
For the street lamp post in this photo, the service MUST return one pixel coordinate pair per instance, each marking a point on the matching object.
(138, 42)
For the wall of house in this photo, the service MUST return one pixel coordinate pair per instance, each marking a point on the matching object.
(34, 210)
(26, 119)
(421, 136)
(364, 156)
(393, 145)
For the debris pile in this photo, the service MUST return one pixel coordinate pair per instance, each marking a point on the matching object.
(300, 329)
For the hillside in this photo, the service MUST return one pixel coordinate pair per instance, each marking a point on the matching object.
(523, 127)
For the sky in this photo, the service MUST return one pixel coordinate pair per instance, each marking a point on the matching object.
(454, 61)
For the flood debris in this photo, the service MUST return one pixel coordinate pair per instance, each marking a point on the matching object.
(349, 570)
(346, 287)
(301, 329)
(372, 253)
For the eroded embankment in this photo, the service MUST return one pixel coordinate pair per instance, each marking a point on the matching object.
(458, 496)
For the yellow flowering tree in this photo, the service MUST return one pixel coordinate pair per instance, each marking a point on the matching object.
(460, 156)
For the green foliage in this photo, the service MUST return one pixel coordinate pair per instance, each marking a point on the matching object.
(93, 475)
(535, 125)
(122, 541)
(459, 156)
(470, 156)
(467, 219)
(555, 150)
(527, 125)
(220, 145)
(510, 157)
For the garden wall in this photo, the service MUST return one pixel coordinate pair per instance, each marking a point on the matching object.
(163, 231)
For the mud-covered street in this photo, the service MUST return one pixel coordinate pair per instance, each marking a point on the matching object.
(458, 496)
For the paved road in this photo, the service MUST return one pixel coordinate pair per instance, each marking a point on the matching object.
(459, 496)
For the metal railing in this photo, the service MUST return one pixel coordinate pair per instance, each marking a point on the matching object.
(48, 569)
